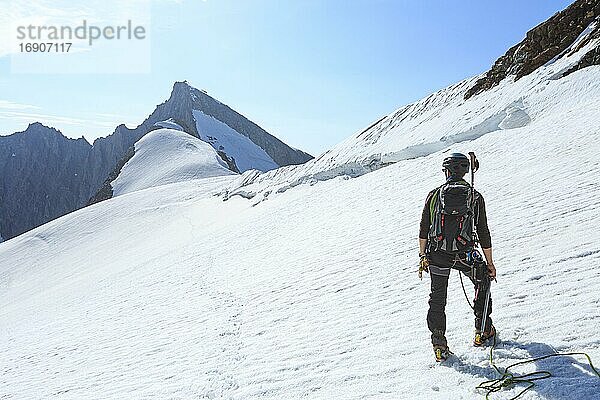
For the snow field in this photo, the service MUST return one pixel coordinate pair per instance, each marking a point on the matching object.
(313, 293)
(167, 156)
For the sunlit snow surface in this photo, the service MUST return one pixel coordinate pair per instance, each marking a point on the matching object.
(246, 154)
(173, 293)
(168, 156)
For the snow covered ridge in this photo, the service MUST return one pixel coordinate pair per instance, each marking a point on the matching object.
(167, 156)
(171, 155)
(439, 121)
(169, 124)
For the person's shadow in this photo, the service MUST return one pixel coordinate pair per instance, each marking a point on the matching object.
(572, 377)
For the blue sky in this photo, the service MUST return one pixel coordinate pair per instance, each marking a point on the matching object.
(310, 72)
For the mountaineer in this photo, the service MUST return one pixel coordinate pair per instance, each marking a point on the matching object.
(453, 223)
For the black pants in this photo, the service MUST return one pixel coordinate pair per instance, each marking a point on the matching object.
(436, 316)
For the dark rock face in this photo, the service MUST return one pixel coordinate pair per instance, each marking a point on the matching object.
(542, 44)
(44, 175)
(190, 98)
(106, 191)
(229, 161)
(592, 57)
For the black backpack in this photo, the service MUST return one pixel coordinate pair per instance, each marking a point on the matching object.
(451, 211)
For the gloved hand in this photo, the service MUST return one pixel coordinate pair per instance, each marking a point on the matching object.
(423, 265)
(491, 271)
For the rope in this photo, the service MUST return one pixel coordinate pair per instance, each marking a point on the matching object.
(465, 291)
(507, 378)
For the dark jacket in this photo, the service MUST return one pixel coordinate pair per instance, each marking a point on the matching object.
(481, 225)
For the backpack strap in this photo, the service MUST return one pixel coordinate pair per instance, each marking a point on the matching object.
(475, 216)
(432, 203)
(435, 228)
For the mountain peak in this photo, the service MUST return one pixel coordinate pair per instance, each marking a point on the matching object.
(180, 88)
(35, 127)
(182, 91)
(186, 101)
(547, 41)
(39, 130)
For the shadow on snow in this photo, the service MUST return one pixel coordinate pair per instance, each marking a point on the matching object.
(572, 377)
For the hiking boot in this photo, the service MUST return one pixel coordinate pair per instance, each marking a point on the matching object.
(440, 345)
(482, 337)
(441, 353)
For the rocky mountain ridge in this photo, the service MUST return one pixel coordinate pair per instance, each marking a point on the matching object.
(544, 43)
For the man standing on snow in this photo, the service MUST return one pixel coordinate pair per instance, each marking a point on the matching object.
(452, 224)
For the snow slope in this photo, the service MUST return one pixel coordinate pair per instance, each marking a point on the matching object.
(167, 156)
(436, 122)
(245, 153)
(172, 293)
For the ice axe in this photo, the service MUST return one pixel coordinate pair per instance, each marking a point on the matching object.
(474, 168)
(474, 164)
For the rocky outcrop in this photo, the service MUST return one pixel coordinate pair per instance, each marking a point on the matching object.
(106, 191)
(592, 57)
(43, 176)
(543, 43)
